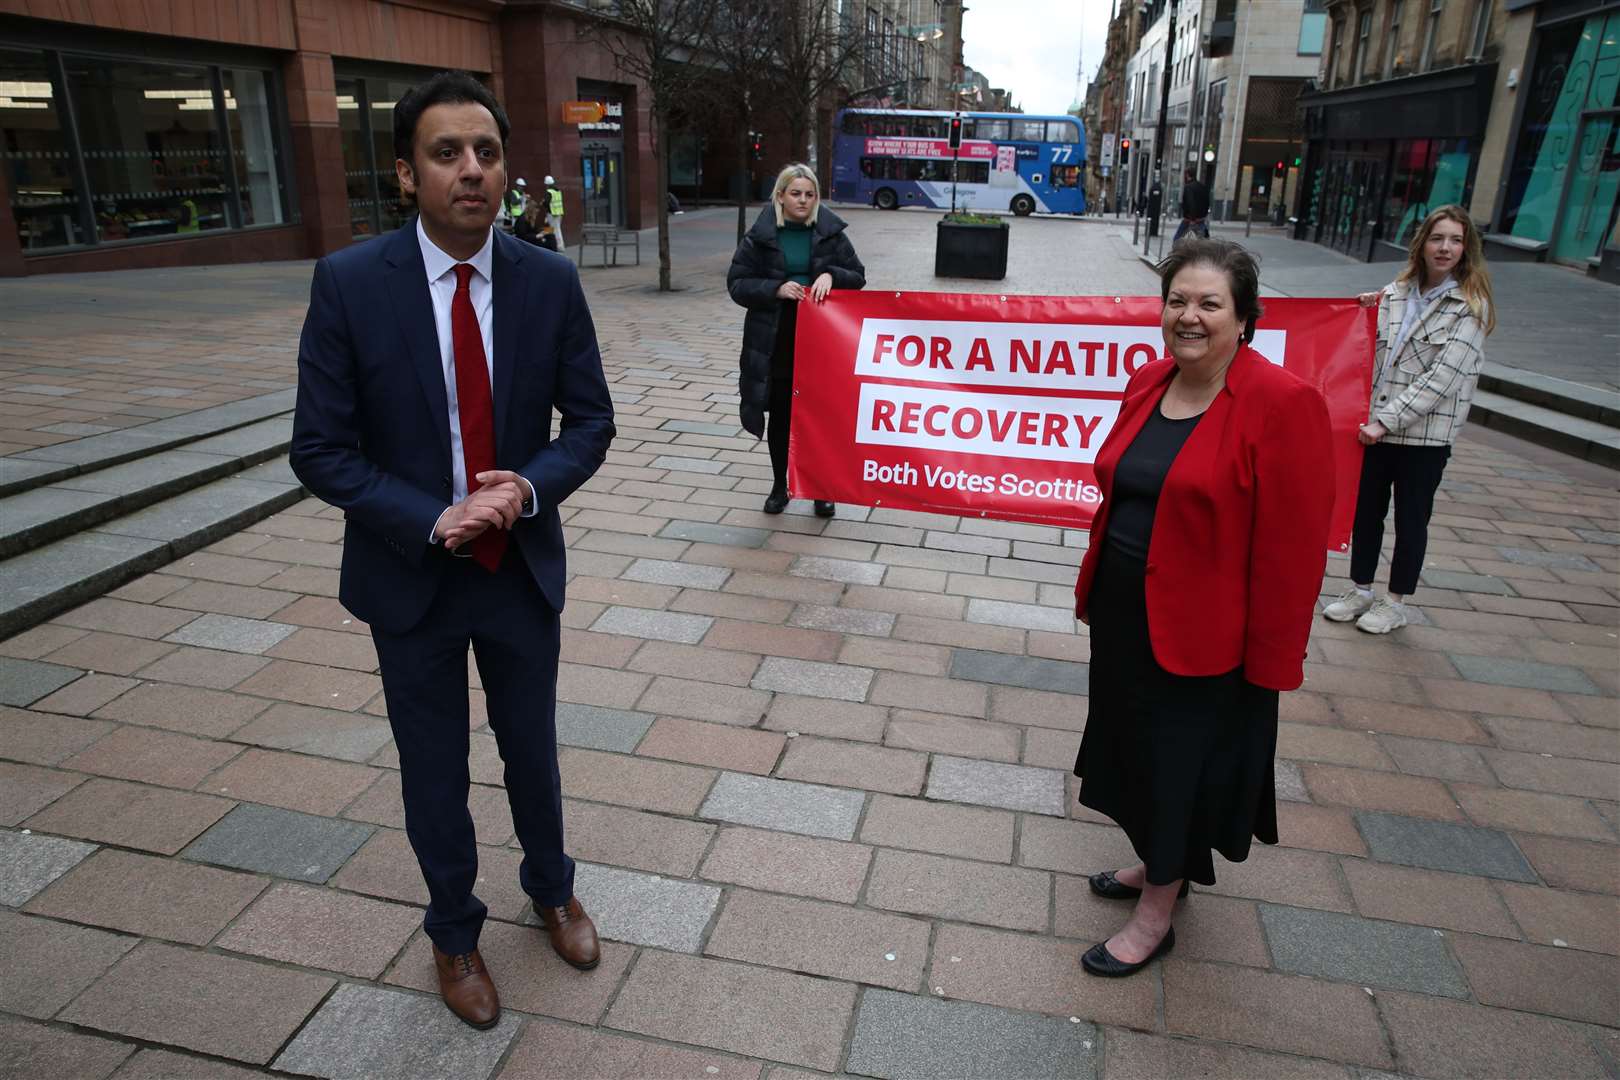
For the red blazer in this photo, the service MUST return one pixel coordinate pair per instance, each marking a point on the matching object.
(1240, 536)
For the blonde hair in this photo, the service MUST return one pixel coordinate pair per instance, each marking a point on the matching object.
(1473, 277)
(787, 176)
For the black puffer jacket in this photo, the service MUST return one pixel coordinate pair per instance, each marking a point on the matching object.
(757, 271)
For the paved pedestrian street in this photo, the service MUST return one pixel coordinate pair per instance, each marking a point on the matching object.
(817, 772)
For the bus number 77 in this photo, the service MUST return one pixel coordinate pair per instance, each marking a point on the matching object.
(1062, 153)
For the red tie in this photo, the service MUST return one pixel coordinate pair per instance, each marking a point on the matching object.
(476, 408)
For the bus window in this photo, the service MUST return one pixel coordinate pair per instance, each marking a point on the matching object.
(974, 172)
(1029, 130)
(994, 130)
(1065, 176)
(968, 128)
(926, 127)
(1062, 131)
(855, 123)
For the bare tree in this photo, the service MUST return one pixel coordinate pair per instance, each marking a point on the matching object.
(654, 42)
(819, 51)
(741, 53)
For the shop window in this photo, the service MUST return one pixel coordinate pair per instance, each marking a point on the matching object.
(1427, 173)
(250, 119)
(46, 199)
(152, 149)
(1568, 140)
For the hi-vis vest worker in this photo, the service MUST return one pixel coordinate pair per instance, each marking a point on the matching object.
(554, 207)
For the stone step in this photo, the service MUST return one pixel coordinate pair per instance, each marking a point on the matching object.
(1559, 395)
(69, 571)
(1547, 427)
(38, 515)
(50, 464)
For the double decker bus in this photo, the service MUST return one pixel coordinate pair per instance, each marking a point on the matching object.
(1009, 161)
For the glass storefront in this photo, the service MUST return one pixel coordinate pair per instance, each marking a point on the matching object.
(1565, 178)
(100, 150)
(1425, 174)
(38, 154)
(366, 123)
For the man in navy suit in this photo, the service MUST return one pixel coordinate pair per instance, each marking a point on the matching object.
(430, 364)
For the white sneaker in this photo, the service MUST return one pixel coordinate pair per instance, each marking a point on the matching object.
(1384, 615)
(1351, 603)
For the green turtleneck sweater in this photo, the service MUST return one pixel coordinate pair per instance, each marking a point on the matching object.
(795, 242)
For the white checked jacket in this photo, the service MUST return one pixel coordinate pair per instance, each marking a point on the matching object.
(1422, 395)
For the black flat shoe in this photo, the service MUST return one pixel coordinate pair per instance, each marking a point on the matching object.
(824, 508)
(776, 502)
(1109, 887)
(1099, 961)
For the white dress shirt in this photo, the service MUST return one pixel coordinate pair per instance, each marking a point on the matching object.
(441, 279)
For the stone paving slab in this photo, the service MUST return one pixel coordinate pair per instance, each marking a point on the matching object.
(365, 1031)
(23, 682)
(47, 1053)
(214, 1004)
(1440, 845)
(283, 843)
(1010, 787)
(780, 804)
(645, 909)
(29, 862)
(1349, 949)
(790, 1018)
(906, 1037)
(153, 897)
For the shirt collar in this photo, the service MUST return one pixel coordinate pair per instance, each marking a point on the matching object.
(438, 264)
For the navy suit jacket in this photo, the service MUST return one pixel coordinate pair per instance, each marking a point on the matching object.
(371, 434)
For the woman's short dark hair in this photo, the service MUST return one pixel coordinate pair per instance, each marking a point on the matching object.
(445, 88)
(1241, 268)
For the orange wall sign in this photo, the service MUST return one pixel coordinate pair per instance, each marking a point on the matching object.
(581, 112)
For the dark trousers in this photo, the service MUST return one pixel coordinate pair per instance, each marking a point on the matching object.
(781, 403)
(515, 639)
(1189, 225)
(1413, 474)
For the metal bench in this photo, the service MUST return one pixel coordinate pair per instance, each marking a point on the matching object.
(610, 240)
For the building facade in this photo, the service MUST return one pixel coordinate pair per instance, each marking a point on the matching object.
(1226, 76)
(242, 130)
(1510, 109)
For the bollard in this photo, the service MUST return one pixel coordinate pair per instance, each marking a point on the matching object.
(1248, 226)
(1136, 225)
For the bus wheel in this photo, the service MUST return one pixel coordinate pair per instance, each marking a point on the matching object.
(886, 199)
(1023, 205)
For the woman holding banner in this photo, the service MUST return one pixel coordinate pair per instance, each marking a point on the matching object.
(796, 250)
(1199, 584)
(1431, 339)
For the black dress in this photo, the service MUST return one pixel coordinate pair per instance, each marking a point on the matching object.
(1182, 763)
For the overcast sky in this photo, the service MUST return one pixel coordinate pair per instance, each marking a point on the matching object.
(1031, 47)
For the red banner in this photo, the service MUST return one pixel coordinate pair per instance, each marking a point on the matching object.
(990, 406)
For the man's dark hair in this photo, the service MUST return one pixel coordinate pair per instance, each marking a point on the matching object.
(445, 88)
(1239, 265)
(1189, 175)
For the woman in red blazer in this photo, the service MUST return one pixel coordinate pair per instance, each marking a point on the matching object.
(1199, 586)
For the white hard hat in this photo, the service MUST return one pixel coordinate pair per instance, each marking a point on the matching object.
(551, 180)
(522, 182)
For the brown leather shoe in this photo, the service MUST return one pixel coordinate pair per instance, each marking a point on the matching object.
(467, 989)
(573, 934)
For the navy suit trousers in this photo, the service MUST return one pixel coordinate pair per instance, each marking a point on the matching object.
(515, 639)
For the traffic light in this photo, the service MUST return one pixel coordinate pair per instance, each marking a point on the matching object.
(956, 132)
(756, 145)
(1124, 151)
(1278, 169)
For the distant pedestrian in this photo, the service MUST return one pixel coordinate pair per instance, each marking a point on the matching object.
(517, 200)
(1220, 465)
(1194, 208)
(1431, 342)
(554, 211)
(796, 250)
(529, 224)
